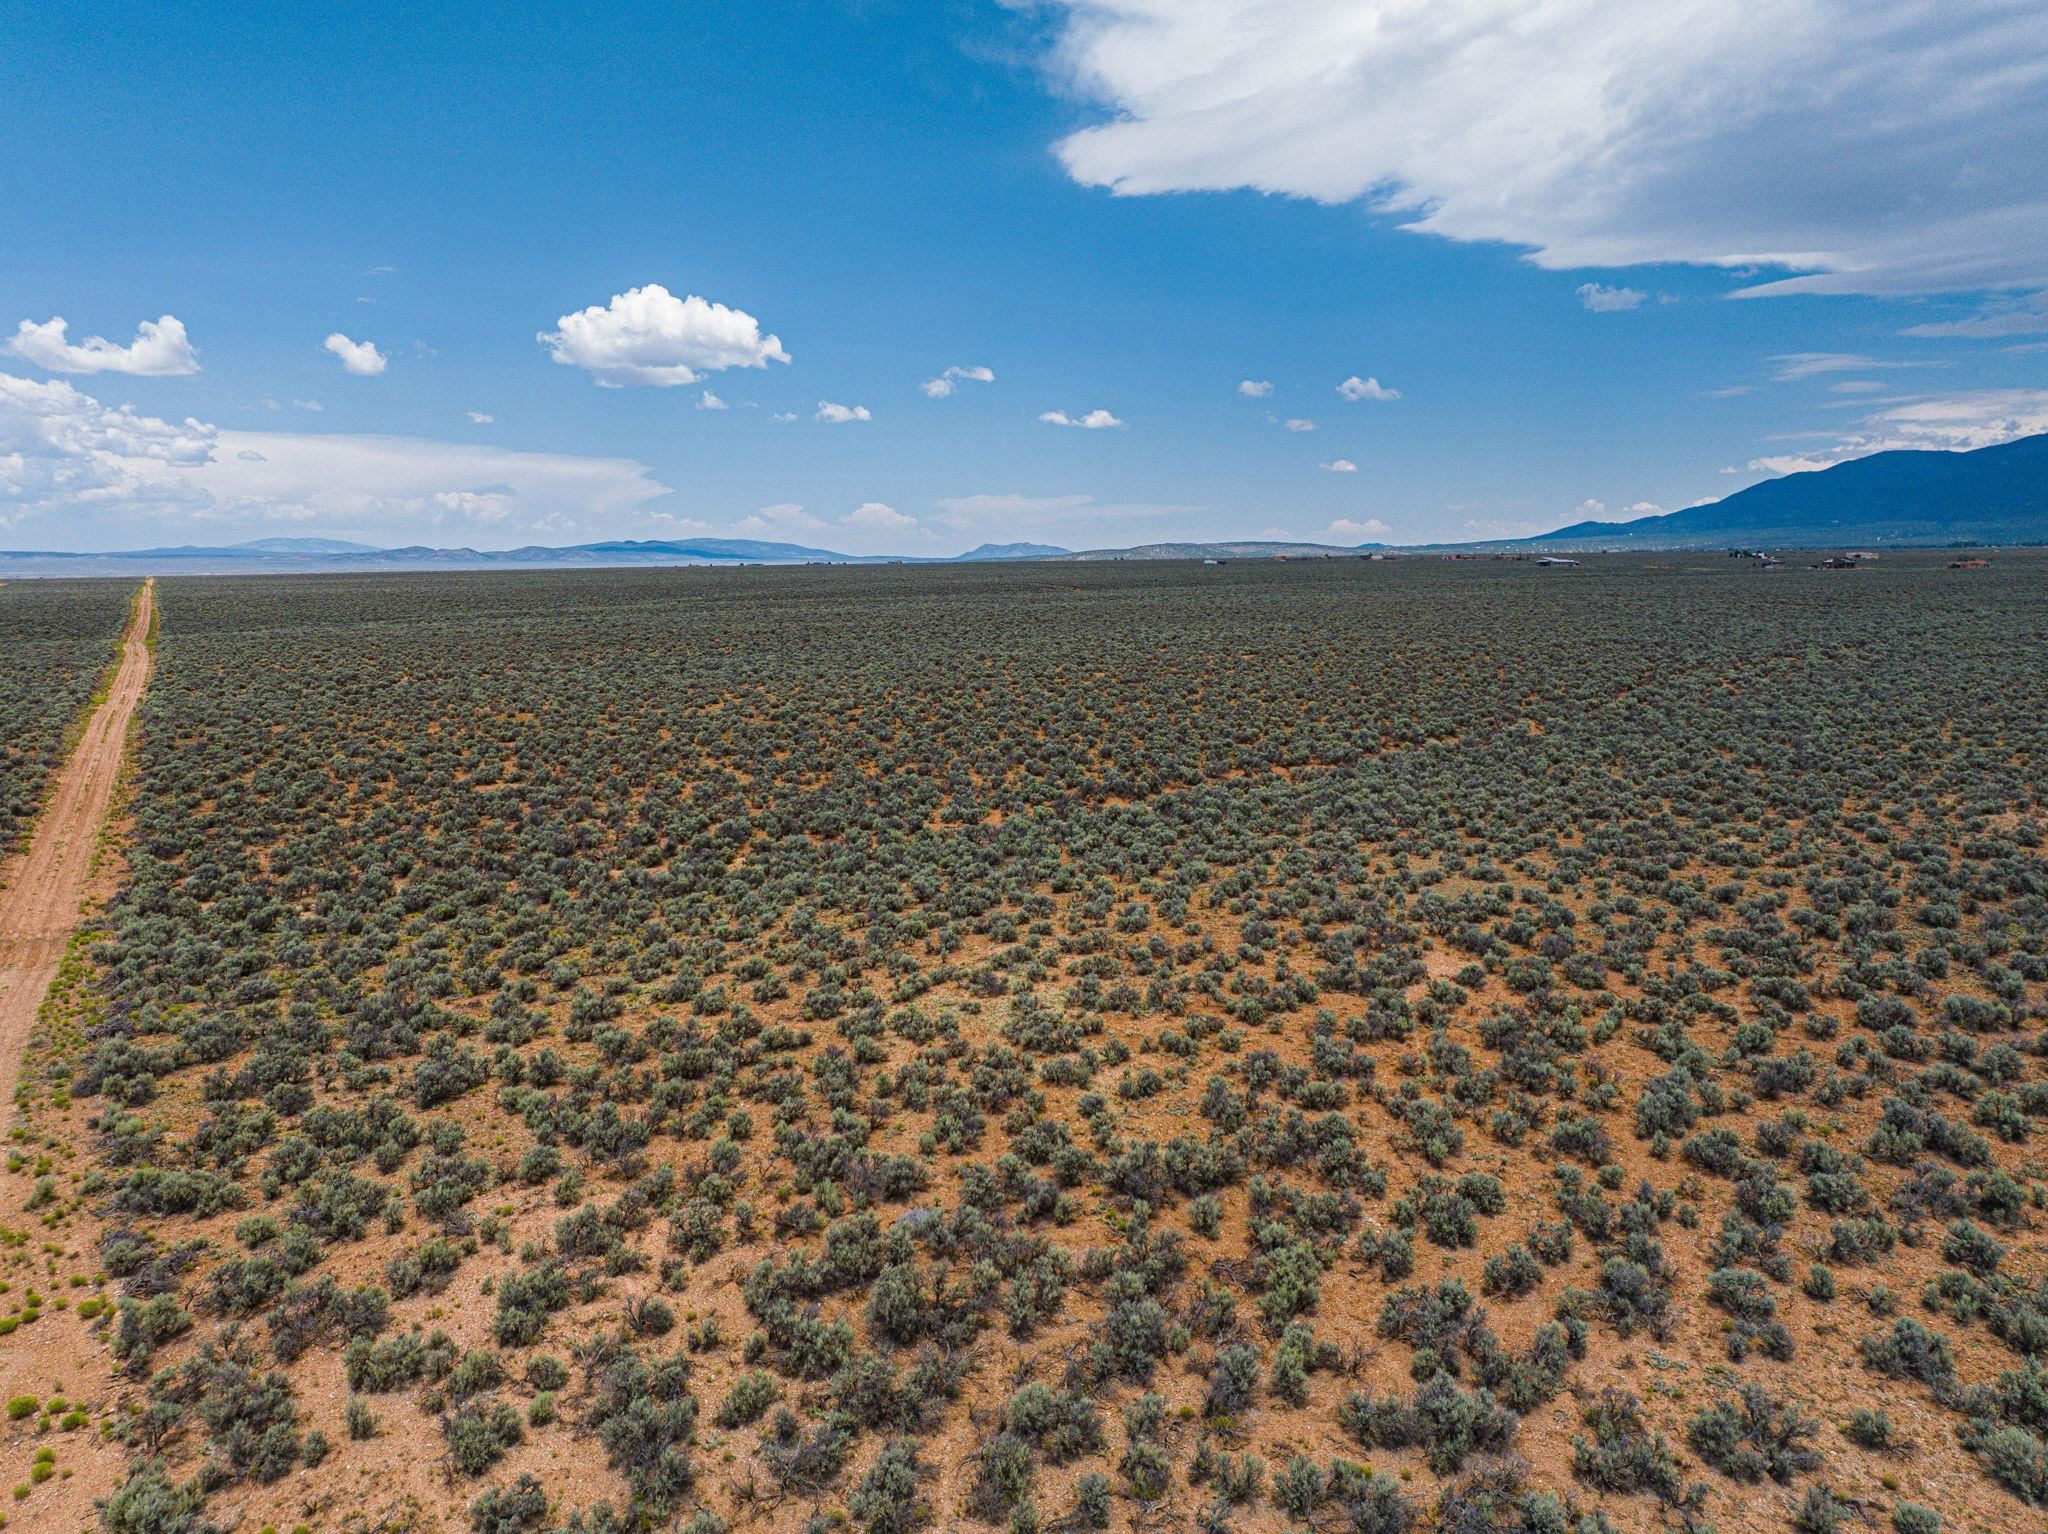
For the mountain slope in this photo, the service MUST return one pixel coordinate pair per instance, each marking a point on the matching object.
(988, 551)
(1992, 495)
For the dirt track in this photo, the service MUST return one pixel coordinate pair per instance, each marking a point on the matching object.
(42, 887)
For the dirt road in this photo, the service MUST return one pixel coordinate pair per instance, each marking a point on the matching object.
(42, 887)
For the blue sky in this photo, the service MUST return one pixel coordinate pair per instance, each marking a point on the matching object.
(1132, 207)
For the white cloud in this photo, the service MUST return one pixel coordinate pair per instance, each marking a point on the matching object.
(838, 414)
(308, 404)
(1339, 466)
(783, 518)
(1355, 389)
(160, 349)
(482, 508)
(649, 336)
(480, 418)
(709, 401)
(875, 517)
(940, 387)
(2010, 316)
(1589, 508)
(1345, 527)
(63, 451)
(1795, 366)
(1644, 509)
(1602, 299)
(109, 477)
(1857, 386)
(1094, 420)
(1255, 388)
(783, 415)
(1601, 133)
(359, 357)
(1963, 421)
(1300, 423)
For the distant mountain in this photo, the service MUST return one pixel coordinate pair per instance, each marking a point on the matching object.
(1011, 551)
(1240, 550)
(1992, 495)
(303, 546)
(255, 548)
(625, 551)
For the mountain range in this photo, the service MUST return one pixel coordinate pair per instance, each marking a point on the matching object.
(1992, 495)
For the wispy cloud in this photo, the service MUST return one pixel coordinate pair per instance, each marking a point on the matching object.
(1961, 421)
(943, 385)
(1094, 420)
(1598, 133)
(1791, 367)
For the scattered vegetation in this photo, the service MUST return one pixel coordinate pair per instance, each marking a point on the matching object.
(1055, 1047)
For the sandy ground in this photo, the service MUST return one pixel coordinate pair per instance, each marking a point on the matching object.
(44, 892)
(43, 886)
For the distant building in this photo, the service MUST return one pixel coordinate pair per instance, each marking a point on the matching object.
(1557, 563)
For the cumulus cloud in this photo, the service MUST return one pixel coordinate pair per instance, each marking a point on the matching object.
(649, 336)
(943, 385)
(1345, 527)
(108, 476)
(160, 349)
(784, 416)
(480, 507)
(876, 517)
(63, 451)
(1094, 420)
(1255, 388)
(1600, 133)
(1602, 299)
(1589, 508)
(1339, 466)
(1300, 423)
(1355, 389)
(359, 357)
(481, 418)
(838, 414)
(709, 401)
